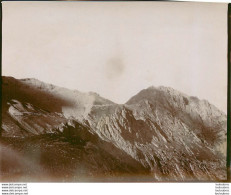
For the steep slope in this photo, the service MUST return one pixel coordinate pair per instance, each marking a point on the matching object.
(178, 137)
(31, 106)
(42, 139)
(71, 155)
(160, 134)
(205, 120)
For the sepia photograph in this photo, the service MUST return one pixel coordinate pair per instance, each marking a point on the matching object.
(113, 91)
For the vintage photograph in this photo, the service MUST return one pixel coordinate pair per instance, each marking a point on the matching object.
(113, 92)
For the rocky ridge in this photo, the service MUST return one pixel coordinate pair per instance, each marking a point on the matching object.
(160, 133)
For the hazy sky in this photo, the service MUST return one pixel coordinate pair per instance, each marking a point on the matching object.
(119, 48)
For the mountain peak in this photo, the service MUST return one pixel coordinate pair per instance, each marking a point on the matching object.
(154, 93)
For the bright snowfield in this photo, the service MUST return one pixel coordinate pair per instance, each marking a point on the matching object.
(51, 133)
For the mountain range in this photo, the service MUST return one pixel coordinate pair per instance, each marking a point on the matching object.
(50, 133)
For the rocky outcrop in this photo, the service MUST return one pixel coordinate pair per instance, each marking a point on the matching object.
(176, 136)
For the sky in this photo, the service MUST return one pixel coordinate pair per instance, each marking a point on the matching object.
(119, 48)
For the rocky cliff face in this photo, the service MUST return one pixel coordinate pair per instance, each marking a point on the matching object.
(160, 134)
